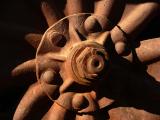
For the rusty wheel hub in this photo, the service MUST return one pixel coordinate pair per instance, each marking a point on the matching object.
(73, 66)
(79, 60)
(86, 62)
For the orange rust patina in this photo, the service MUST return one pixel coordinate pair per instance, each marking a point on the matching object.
(89, 66)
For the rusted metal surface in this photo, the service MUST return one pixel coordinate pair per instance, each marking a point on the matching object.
(86, 64)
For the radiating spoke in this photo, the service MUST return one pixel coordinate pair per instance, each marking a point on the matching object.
(29, 104)
(50, 12)
(104, 101)
(85, 117)
(61, 107)
(56, 56)
(134, 23)
(111, 12)
(74, 36)
(56, 112)
(33, 39)
(103, 38)
(74, 7)
(131, 25)
(110, 9)
(147, 51)
(28, 66)
(67, 80)
(154, 70)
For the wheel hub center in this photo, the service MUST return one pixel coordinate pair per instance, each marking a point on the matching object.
(87, 61)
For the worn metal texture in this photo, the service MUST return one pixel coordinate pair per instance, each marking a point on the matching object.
(89, 64)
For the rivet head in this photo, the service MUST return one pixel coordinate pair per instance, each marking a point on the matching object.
(120, 47)
(79, 102)
(91, 24)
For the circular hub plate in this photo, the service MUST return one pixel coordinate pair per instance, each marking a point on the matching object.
(68, 56)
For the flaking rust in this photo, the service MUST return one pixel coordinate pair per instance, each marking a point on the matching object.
(86, 61)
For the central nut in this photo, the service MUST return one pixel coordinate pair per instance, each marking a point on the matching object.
(90, 63)
(87, 62)
(95, 64)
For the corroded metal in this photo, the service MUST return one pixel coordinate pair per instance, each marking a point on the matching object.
(83, 66)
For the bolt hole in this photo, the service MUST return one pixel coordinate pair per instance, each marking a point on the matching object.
(60, 41)
(96, 63)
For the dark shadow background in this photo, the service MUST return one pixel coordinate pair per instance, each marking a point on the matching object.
(17, 18)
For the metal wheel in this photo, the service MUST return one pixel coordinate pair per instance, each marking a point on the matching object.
(77, 64)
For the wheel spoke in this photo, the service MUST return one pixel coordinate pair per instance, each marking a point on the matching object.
(85, 117)
(74, 7)
(29, 104)
(74, 36)
(33, 39)
(134, 23)
(28, 66)
(50, 12)
(60, 108)
(154, 70)
(103, 37)
(147, 51)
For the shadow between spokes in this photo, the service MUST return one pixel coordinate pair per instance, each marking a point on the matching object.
(130, 85)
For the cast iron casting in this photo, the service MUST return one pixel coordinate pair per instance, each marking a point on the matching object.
(84, 60)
